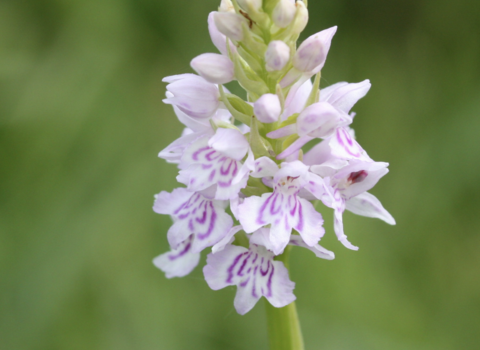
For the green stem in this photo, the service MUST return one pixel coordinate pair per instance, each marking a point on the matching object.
(284, 331)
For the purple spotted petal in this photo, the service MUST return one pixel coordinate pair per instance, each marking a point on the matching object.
(344, 146)
(367, 204)
(178, 262)
(202, 167)
(283, 212)
(174, 151)
(255, 274)
(358, 177)
(264, 167)
(195, 215)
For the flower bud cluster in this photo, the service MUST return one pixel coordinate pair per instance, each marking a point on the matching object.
(248, 155)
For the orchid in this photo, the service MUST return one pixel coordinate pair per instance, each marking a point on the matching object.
(248, 156)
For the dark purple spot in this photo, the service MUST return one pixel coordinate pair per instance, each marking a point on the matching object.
(357, 176)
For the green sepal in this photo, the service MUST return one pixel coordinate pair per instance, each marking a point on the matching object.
(289, 121)
(255, 187)
(241, 117)
(315, 93)
(269, 5)
(240, 105)
(254, 63)
(289, 140)
(260, 146)
(225, 125)
(247, 78)
(213, 125)
(241, 239)
(253, 42)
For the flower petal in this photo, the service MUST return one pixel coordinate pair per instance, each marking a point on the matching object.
(367, 204)
(338, 227)
(229, 142)
(344, 95)
(228, 239)
(309, 223)
(178, 262)
(255, 274)
(317, 249)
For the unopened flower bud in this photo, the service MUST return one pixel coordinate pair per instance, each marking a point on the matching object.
(283, 13)
(312, 53)
(215, 68)
(226, 6)
(229, 24)
(267, 108)
(301, 18)
(250, 4)
(277, 55)
(193, 95)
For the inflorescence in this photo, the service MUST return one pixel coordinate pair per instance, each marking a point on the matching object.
(247, 155)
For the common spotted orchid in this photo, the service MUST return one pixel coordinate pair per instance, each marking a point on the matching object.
(249, 154)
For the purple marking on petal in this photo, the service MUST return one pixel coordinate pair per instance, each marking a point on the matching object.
(256, 257)
(300, 217)
(203, 218)
(254, 287)
(272, 207)
(195, 154)
(227, 171)
(208, 156)
(183, 216)
(292, 212)
(244, 283)
(235, 168)
(269, 283)
(206, 166)
(212, 175)
(180, 254)
(263, 273)
(231, 267)
(262, 209)
(190, 225)
(239, 272)
(349, 140)
(225, 184)
(213, 219)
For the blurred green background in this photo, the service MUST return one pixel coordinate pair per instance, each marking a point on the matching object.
(81, 123)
